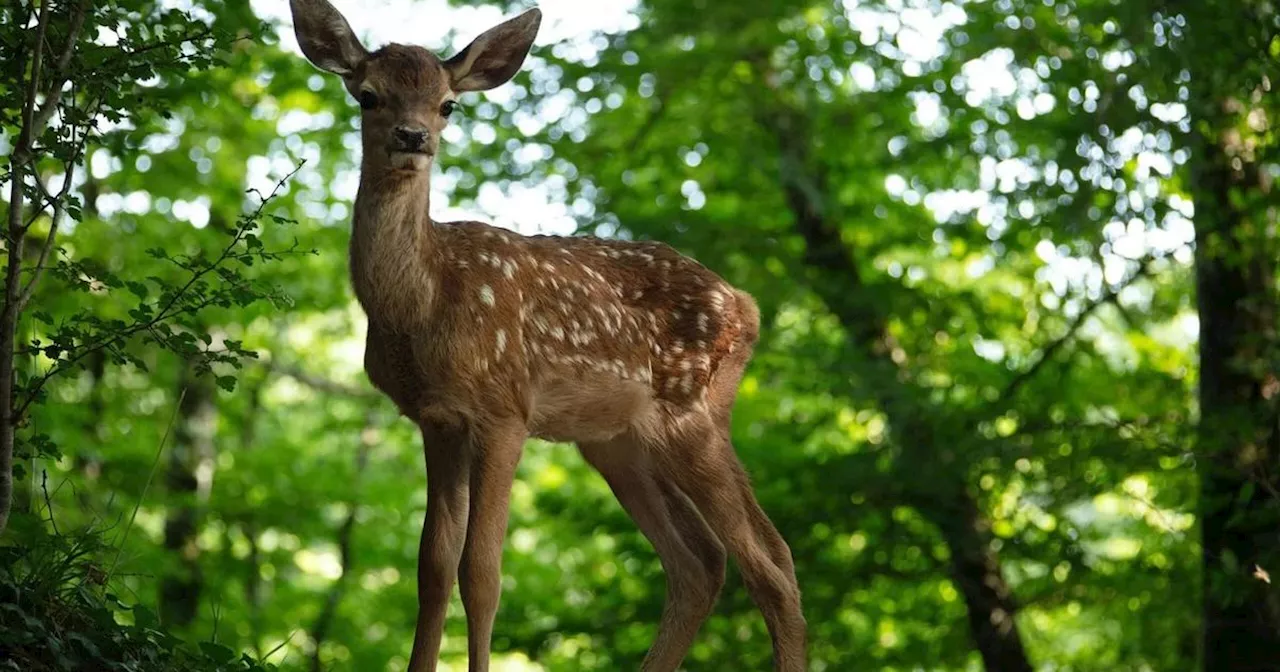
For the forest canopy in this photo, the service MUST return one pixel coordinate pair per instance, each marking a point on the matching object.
(1015, 404)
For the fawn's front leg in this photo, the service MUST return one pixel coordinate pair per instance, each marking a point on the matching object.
(447, 448)
(495, 455)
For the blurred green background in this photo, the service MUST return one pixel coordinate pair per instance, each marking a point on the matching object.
(972, 413)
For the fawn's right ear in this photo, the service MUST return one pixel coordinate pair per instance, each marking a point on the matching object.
(326, 38)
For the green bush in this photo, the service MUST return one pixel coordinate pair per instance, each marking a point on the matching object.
(57, 613)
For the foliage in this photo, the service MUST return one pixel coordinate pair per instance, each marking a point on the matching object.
(54, 615)
(972, 231)
(164, 310)
(79, 73)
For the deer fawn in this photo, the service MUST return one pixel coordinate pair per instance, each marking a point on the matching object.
(484, 338)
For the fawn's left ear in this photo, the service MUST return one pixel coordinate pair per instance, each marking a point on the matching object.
(495, 56)
(326, 38)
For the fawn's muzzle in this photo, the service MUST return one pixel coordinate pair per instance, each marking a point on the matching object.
(410, 139)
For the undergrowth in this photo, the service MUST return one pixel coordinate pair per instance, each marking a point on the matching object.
(57, 613)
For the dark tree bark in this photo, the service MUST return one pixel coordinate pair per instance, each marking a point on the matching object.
(1237, 247)
(193, 448)
(1239, 438)
(975, 571)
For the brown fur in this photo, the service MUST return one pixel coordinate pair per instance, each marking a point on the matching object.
(485, 337)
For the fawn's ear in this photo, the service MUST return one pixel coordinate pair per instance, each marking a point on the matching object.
(495, 56)
(326, 38)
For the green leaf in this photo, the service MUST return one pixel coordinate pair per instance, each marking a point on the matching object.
(217, 653)
(138, 289)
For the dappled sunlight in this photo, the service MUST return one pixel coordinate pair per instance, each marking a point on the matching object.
(981, 237)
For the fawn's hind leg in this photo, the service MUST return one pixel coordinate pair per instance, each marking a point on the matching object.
(691, 556)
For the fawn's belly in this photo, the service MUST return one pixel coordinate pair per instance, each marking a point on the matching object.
(589, 408)
(562, 405)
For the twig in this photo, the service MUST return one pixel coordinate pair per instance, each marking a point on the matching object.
(1164, 520)
(217, 620)
(189, 37)
(150, 477)
(161, 315)
(59, 205)
(281, 645)
(319, 383)
(48, 503)
(1047, 353)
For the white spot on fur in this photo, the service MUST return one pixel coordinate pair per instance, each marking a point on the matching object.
(502, 341)
(486, 295)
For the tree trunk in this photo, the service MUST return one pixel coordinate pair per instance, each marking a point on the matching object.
(975, 571)
(8, 335)
(1239, 452)
(189, 478)
(1237, 246)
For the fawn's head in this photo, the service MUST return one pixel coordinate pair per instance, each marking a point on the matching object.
(406, 92)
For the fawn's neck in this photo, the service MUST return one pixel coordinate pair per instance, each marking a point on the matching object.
(393, 246)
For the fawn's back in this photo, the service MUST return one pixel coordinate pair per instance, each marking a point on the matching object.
(584, 335)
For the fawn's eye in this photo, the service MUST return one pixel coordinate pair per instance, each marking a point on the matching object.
(448, 108)
(368, 99)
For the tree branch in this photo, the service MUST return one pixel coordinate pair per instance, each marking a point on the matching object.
(59, 206)
(160, 315)
(1047, 352)
(22, 148)
(320, 383)
(53, 96)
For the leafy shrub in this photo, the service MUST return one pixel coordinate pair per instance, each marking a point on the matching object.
(58, 614)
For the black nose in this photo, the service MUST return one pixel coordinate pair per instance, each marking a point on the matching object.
(410, 139)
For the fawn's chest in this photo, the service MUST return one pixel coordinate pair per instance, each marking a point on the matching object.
(448, 355)
(415, 370)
